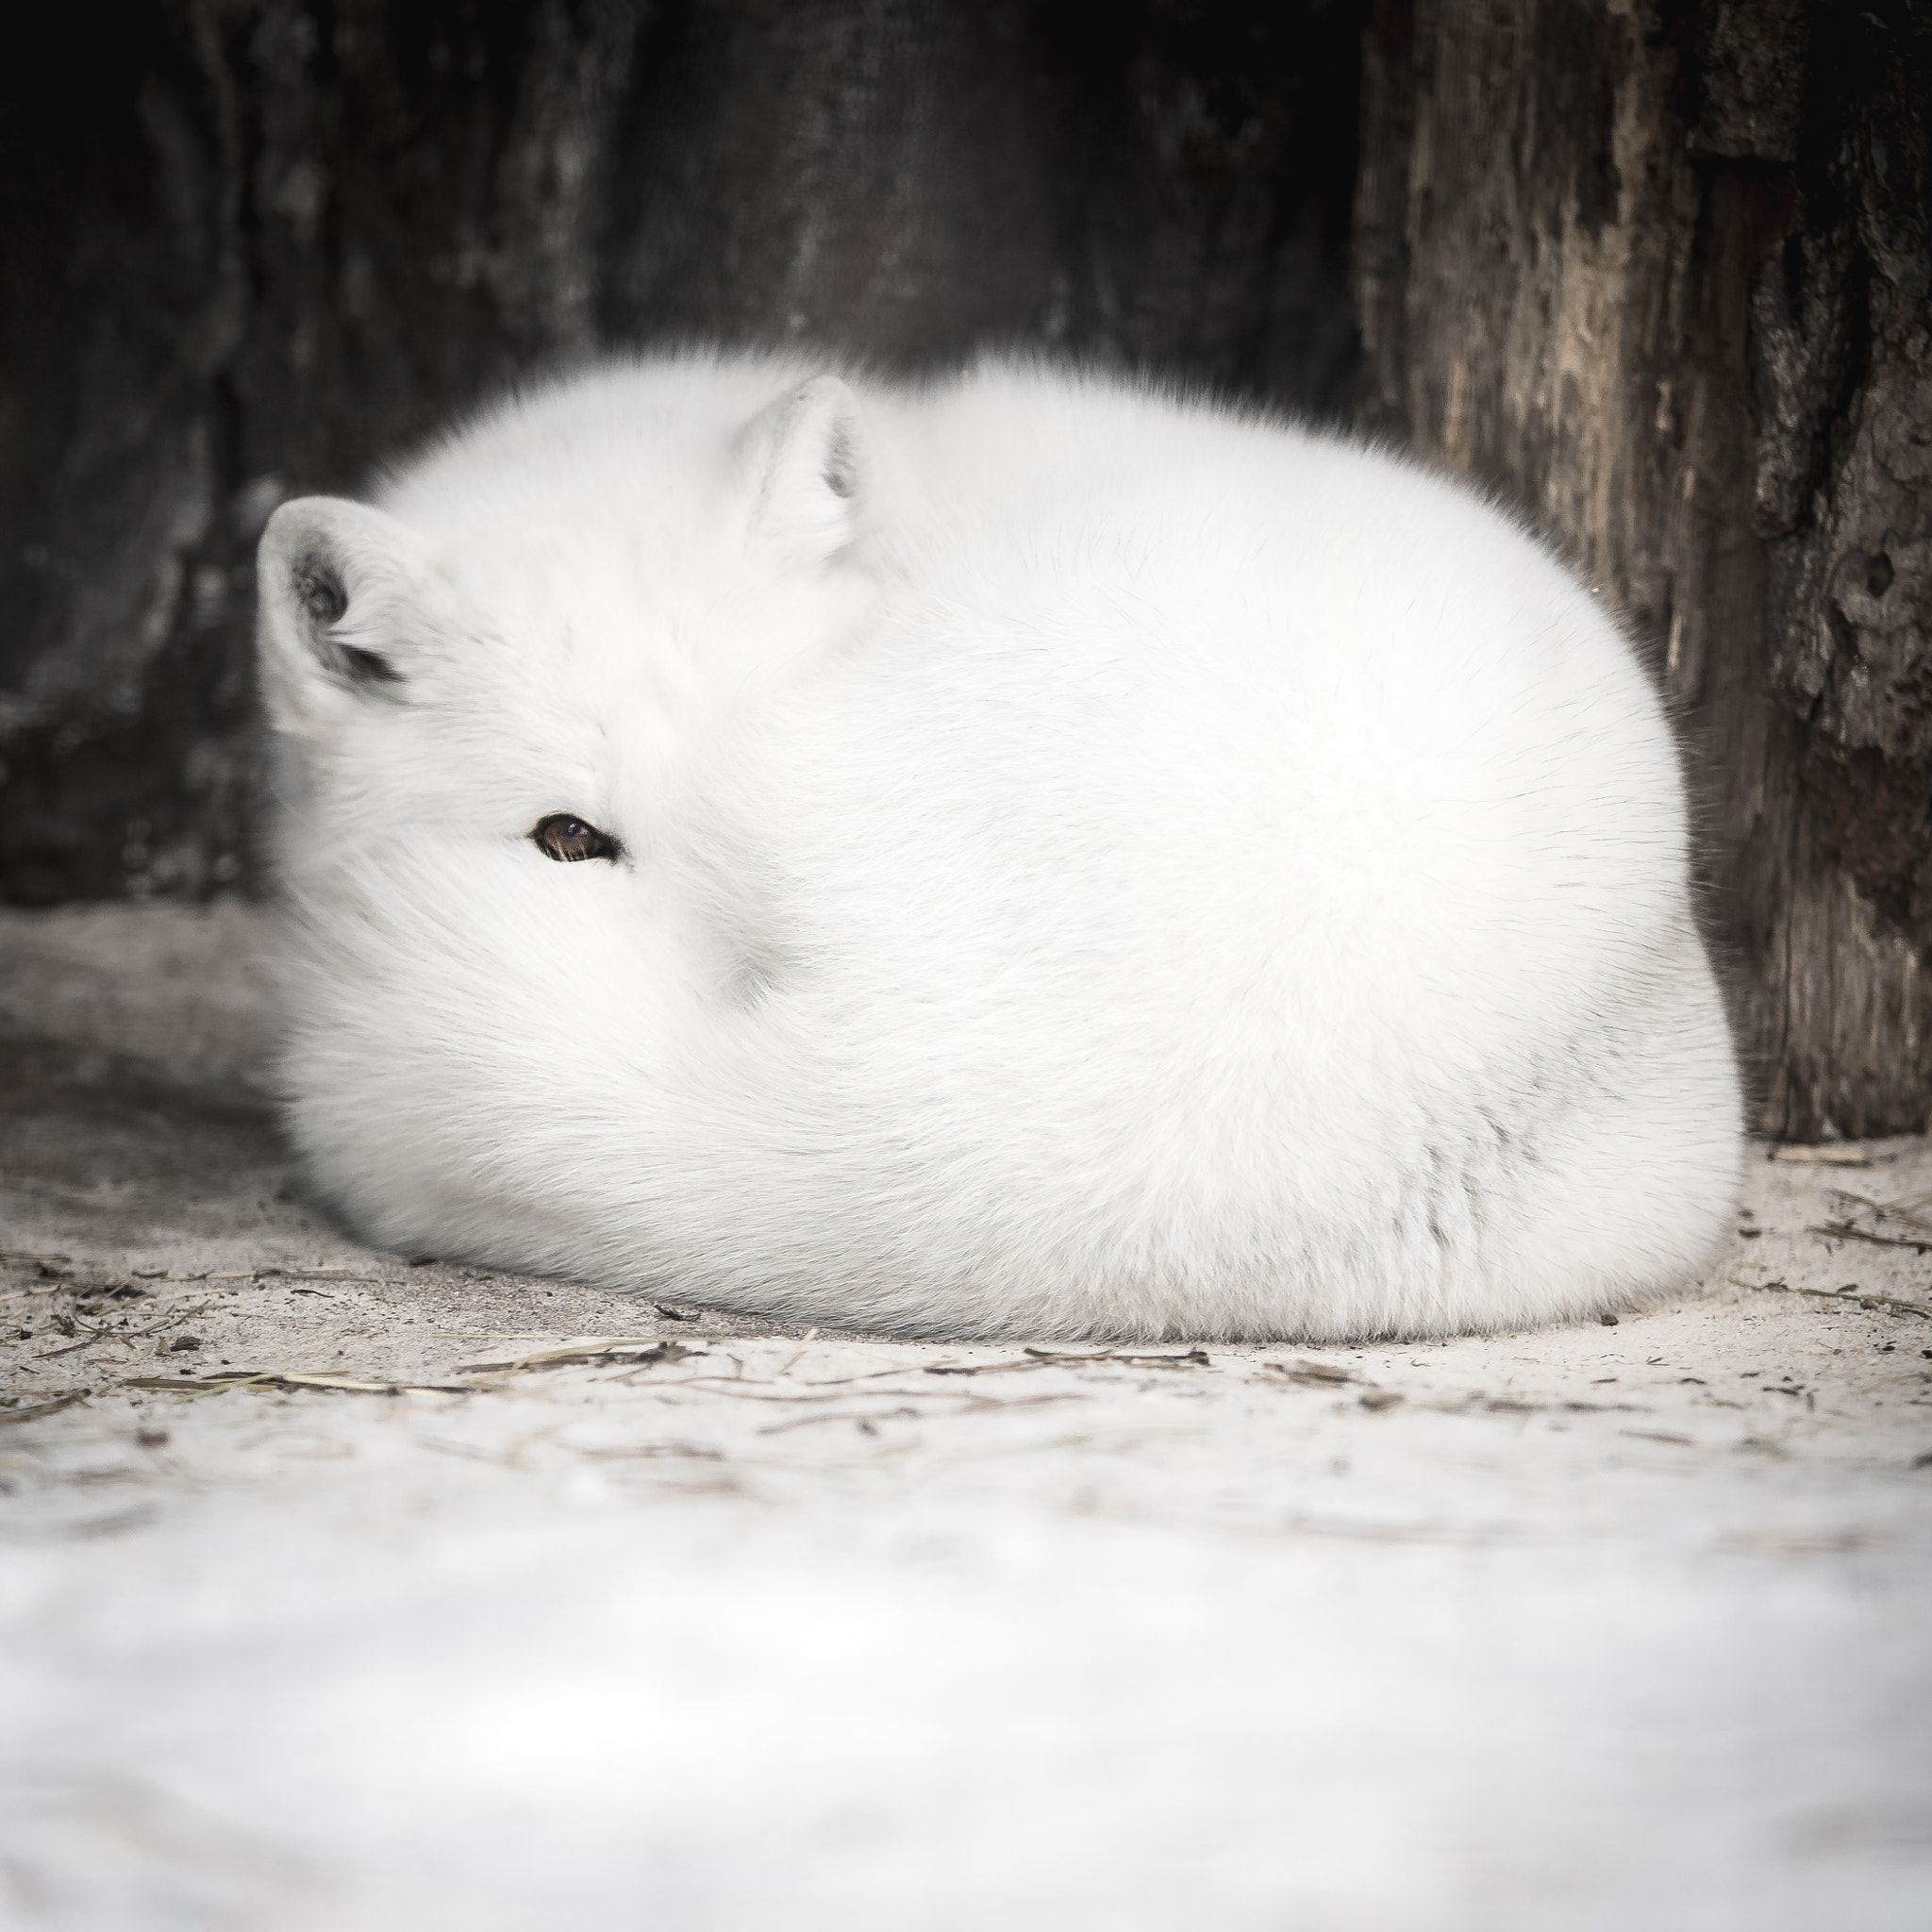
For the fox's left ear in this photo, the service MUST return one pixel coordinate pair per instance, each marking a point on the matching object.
(809, 466)
(343, 592)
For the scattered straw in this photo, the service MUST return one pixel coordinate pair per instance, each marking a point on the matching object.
(1851, 1296)
(797, 1355)
(866, 1420)
(1845, 1231)
(1828, 1154)
(293, 1379)
(32, 1412)
(1191, 1359)
(648, 1452)
(1894, 1210)
(639, 1352)
(1313, 1374)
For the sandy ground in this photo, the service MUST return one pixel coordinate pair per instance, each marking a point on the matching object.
(337, 1592)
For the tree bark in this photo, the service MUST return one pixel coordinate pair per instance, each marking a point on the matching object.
(1656, 270)
(1661, 275)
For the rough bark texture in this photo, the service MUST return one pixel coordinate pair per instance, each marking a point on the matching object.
(252, 245)
(1661, 274)
(1655, 269)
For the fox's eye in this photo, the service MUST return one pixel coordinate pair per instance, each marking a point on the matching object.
(568, 840)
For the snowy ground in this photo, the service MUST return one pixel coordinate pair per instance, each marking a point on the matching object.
(328, 1601)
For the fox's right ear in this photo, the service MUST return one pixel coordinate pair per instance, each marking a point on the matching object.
(341, 590)
(809, 465)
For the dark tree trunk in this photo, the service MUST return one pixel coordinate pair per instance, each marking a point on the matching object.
(1661, 274)
(251, 244)
(1655, 269)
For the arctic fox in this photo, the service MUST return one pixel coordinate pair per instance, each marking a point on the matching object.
(1026, 853)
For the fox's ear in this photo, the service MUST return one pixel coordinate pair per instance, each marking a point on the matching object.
(340, 587)
(811, 471)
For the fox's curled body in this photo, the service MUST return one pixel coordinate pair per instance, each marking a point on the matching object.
(1085, 863)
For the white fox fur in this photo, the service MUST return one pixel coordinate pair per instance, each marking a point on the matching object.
(1091, 863)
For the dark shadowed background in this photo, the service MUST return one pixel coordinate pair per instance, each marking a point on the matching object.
(1658, 272)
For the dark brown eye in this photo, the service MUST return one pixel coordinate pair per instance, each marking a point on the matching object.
(568, 840)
